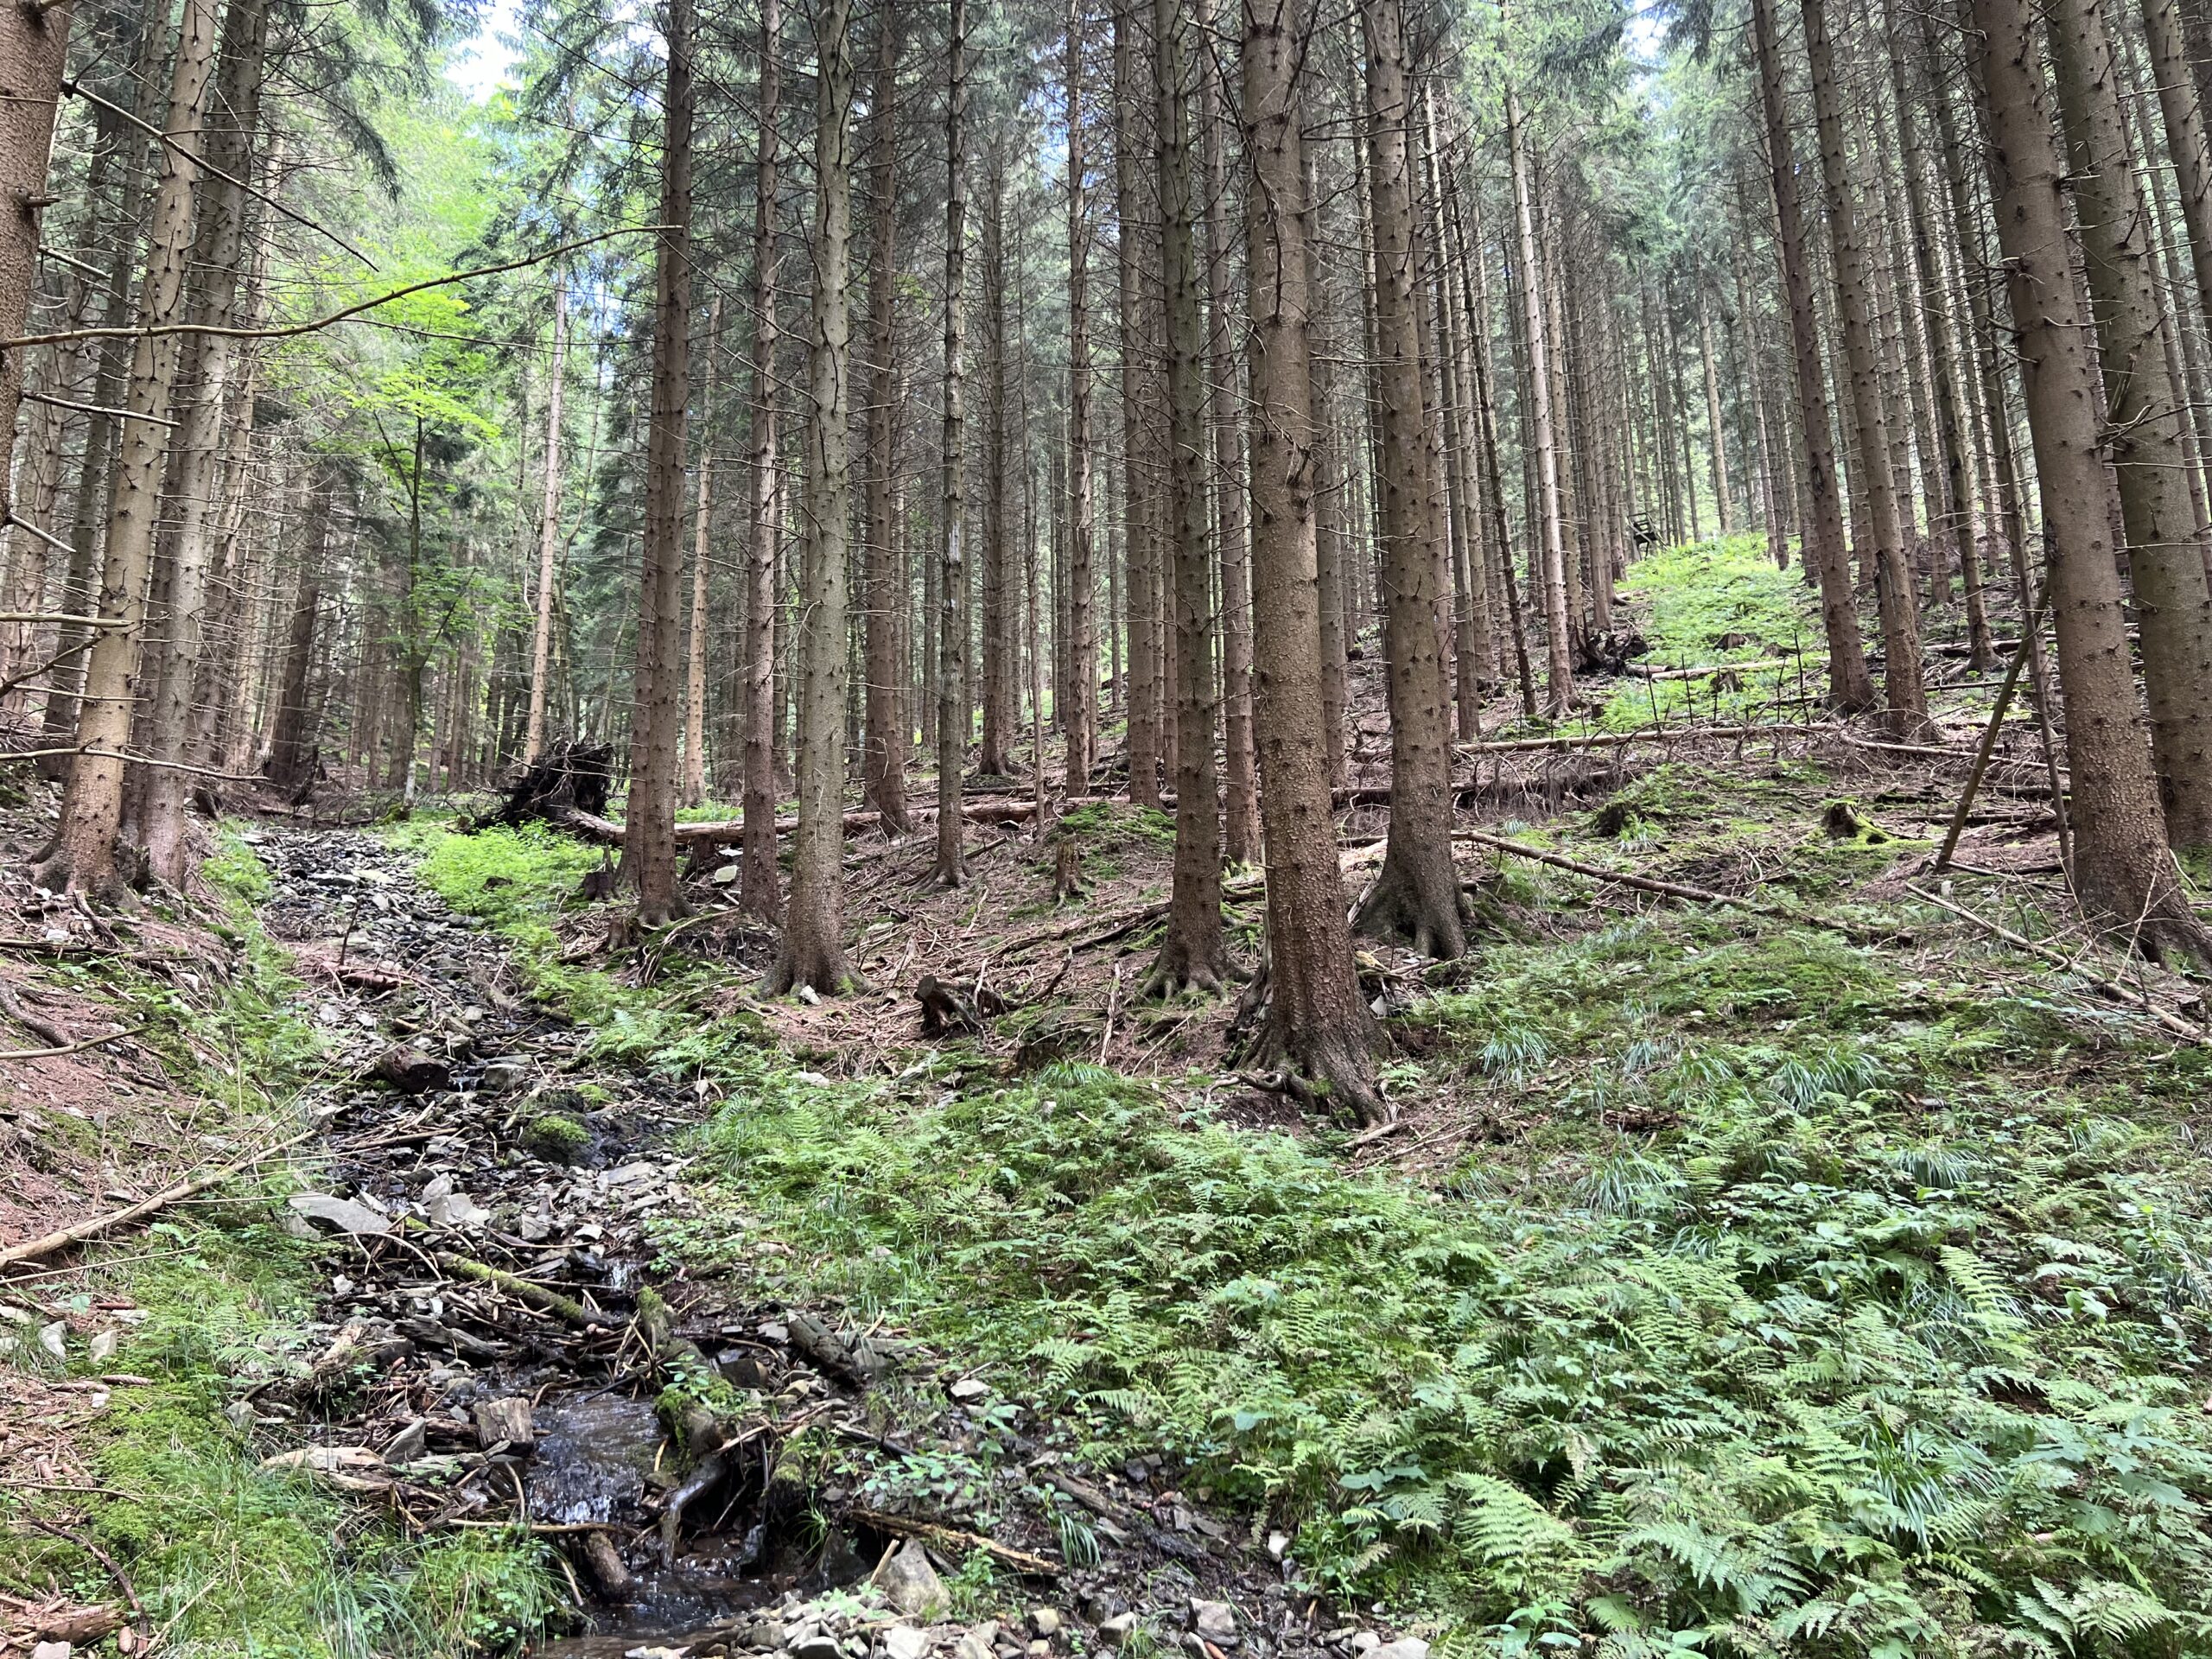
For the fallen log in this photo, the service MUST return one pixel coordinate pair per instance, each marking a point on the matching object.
(1641, 734)
(592, 826)
(93, 1227)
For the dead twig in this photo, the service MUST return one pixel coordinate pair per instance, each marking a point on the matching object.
(906, 1526)
(91, 1227)
(2165, 1016)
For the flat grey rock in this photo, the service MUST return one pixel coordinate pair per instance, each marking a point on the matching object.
(342, 1214)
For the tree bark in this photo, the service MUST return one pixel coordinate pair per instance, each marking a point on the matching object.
(1850, 686)
(1000, 670)
(759, 883)
(211, 362)
(1080, 718)
(1904, 698)
(2122, 871)
(1559, 661)
(649, 845)
(34, 54)
(2142, 429)
(1140, 594)
(952, 581)
(1316, 1020)
(1416, 897)
(1717, 431)
(883, 774)
(548, 530)
(1241, 800)
(1193, 951)
(83, 856)
(1955, 497)
(693, 789)
(813, 951)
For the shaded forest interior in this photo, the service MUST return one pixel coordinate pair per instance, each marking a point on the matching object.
(857, 830)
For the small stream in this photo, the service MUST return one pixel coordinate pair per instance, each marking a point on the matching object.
(504, 1145)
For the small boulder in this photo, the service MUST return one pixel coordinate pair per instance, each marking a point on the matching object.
(1213, 1621)
(904, 1642)
(1115, 1631)
(1045, 1622)
(412, 1071)
(911, 1584)
(341, 1215)
(1405, 1647)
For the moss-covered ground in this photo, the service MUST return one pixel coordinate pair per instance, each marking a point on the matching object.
(229, 1558)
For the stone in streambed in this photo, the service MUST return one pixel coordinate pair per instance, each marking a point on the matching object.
(911, 1584)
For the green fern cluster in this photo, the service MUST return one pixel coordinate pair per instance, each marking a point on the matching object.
(1824, 1374)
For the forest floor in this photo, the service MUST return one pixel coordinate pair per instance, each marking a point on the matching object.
(1813, 1273)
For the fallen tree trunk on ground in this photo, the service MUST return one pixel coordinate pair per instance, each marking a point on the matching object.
(592, 826)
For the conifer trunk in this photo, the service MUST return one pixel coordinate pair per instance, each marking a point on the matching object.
(2122, 871)
(693, 790)
(1140, 594)
(210, 361)
(951, 869)
(83, 856)
(813, 951)
(1080, 717)
(1317, 1021)
(1416, 897)
(2173, 607)
(1240, 795)
(1850, 686)
(1193, 952)
(34, 55)
(883, 772)
(760, 884)
(1904, 699)
(549, 531)
(1559, 662)
(648, 838)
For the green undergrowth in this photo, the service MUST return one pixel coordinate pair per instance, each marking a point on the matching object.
(1810, 1297)
(228, 1558)
(520, 881)
(1689, 599)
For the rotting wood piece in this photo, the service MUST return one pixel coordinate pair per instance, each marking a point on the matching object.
(907, 1526)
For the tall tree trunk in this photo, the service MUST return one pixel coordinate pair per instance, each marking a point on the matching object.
(814, 921)
(83, 855)
(1954, 496)
(1316, 1020)
(759, 885)
(1140, 508)
(548, 530)
(692, 791)
(952, 581)
(649, 839)
(2183, 116)
(1904, 698)
(210, 360)
(2172, 607)
(1715, 428)
(1559, 662)
(1080, 718)
(1474, 289)
(1331, 534)
(2122, 870)
(1416, 896)
(34, 55)
(1193, 951)
(1850, 686)
(884, 769)
(1241, 800)
(1001, 672)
